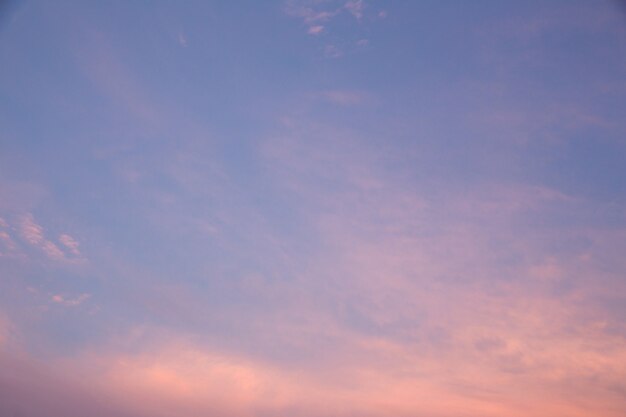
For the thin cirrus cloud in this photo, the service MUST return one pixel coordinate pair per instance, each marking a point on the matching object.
(428, 225)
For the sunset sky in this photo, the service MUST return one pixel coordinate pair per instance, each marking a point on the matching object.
(313, 208)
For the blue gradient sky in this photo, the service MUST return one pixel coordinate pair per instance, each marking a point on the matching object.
(313, 208)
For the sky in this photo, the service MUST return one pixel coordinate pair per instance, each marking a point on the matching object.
(313, 208)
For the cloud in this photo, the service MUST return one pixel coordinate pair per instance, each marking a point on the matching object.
(33, 234)
(316, 18)
(312, 18)
(7, 241)
(31, 231)
(52, 251)
(70, 243)
(355, 8)
(316, 30)
(459, 285)
(70, 302)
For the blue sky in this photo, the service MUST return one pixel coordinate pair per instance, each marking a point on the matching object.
(313, 208)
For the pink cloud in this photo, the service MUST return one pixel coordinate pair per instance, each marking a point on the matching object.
(33, 234)
(7, 241)
(70, 302)
(70, 243)
(52, 251)
(31, 231)
(312, 18)
(444, 307)
(316, 30)
(355, 7)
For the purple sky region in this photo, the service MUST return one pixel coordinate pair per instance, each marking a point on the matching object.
(313, 208)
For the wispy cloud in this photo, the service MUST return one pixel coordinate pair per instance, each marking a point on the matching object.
(316, 30)
(312, 17)
(70, 301)
(7, 241)
(31, 231)
(355, 7)
(317, 15)
(70, 243)
(33, 234)
(52, 250)
(394, 246)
